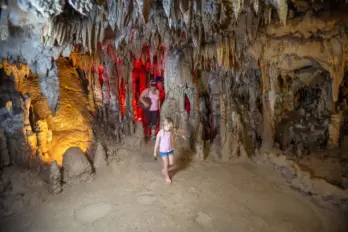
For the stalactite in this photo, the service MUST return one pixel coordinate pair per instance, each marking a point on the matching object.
(256, 6)
(237, 6)
(82, 6)
(4, 30)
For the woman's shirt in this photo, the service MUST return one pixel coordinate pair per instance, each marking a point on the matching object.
(165, 141)
(154, 101)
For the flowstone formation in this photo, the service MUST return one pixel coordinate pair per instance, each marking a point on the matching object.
(240, 78)
(178, 83)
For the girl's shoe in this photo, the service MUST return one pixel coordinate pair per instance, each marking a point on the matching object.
(153, 137)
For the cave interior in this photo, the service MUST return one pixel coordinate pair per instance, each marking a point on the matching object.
(253, 80)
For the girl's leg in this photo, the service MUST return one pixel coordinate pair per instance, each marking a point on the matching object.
(171, 162)
(165, 169)
(153, 132)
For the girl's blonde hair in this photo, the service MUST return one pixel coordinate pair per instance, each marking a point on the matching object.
(169, 121)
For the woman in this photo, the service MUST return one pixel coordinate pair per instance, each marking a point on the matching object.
(151, 110)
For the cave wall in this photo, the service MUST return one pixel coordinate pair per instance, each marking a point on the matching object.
(30, 122)
(258, 74)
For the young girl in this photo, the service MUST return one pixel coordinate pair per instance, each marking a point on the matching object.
(164, 142)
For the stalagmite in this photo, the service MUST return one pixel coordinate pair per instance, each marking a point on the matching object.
(268, 100)
(199, 145)
(100, 160)
(42, 132)
(55, 178)
(334, 130)
(226, 129)
(5, 158)
(30, 137)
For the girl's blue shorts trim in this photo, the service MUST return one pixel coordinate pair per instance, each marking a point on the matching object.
(165, 154)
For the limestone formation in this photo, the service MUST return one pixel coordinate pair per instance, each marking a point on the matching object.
(55, 178)
(76, 167)
(42, 143)
(4, 34)
(334, 130)
(177, 84)
(100, 159)
(137, 139)
(5, 158)
(199, 145)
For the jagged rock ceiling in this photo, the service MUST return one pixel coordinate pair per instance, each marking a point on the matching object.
(223, 33)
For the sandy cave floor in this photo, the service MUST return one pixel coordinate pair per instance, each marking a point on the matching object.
(130, 195)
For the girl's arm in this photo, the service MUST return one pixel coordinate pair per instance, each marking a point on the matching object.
(175, 132)
(157, 143)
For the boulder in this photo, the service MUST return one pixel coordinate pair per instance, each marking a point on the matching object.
(76, 167)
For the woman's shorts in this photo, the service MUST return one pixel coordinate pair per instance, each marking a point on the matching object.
(151, 117)
(165, 154)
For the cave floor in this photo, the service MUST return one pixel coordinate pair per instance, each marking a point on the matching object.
(130, 195)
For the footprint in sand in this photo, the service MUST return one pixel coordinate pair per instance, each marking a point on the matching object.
(146, 198)
(93, 212)
(204, 220)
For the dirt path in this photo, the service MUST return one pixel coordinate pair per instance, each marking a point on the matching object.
(130, 195)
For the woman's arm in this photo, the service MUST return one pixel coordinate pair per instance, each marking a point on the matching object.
(159, 100)
(157, 143)
(142, 95)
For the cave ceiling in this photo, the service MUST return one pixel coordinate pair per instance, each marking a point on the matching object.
(227, 34)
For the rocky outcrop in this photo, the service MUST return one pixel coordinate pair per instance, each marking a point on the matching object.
(76, 167)
(305, 182)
